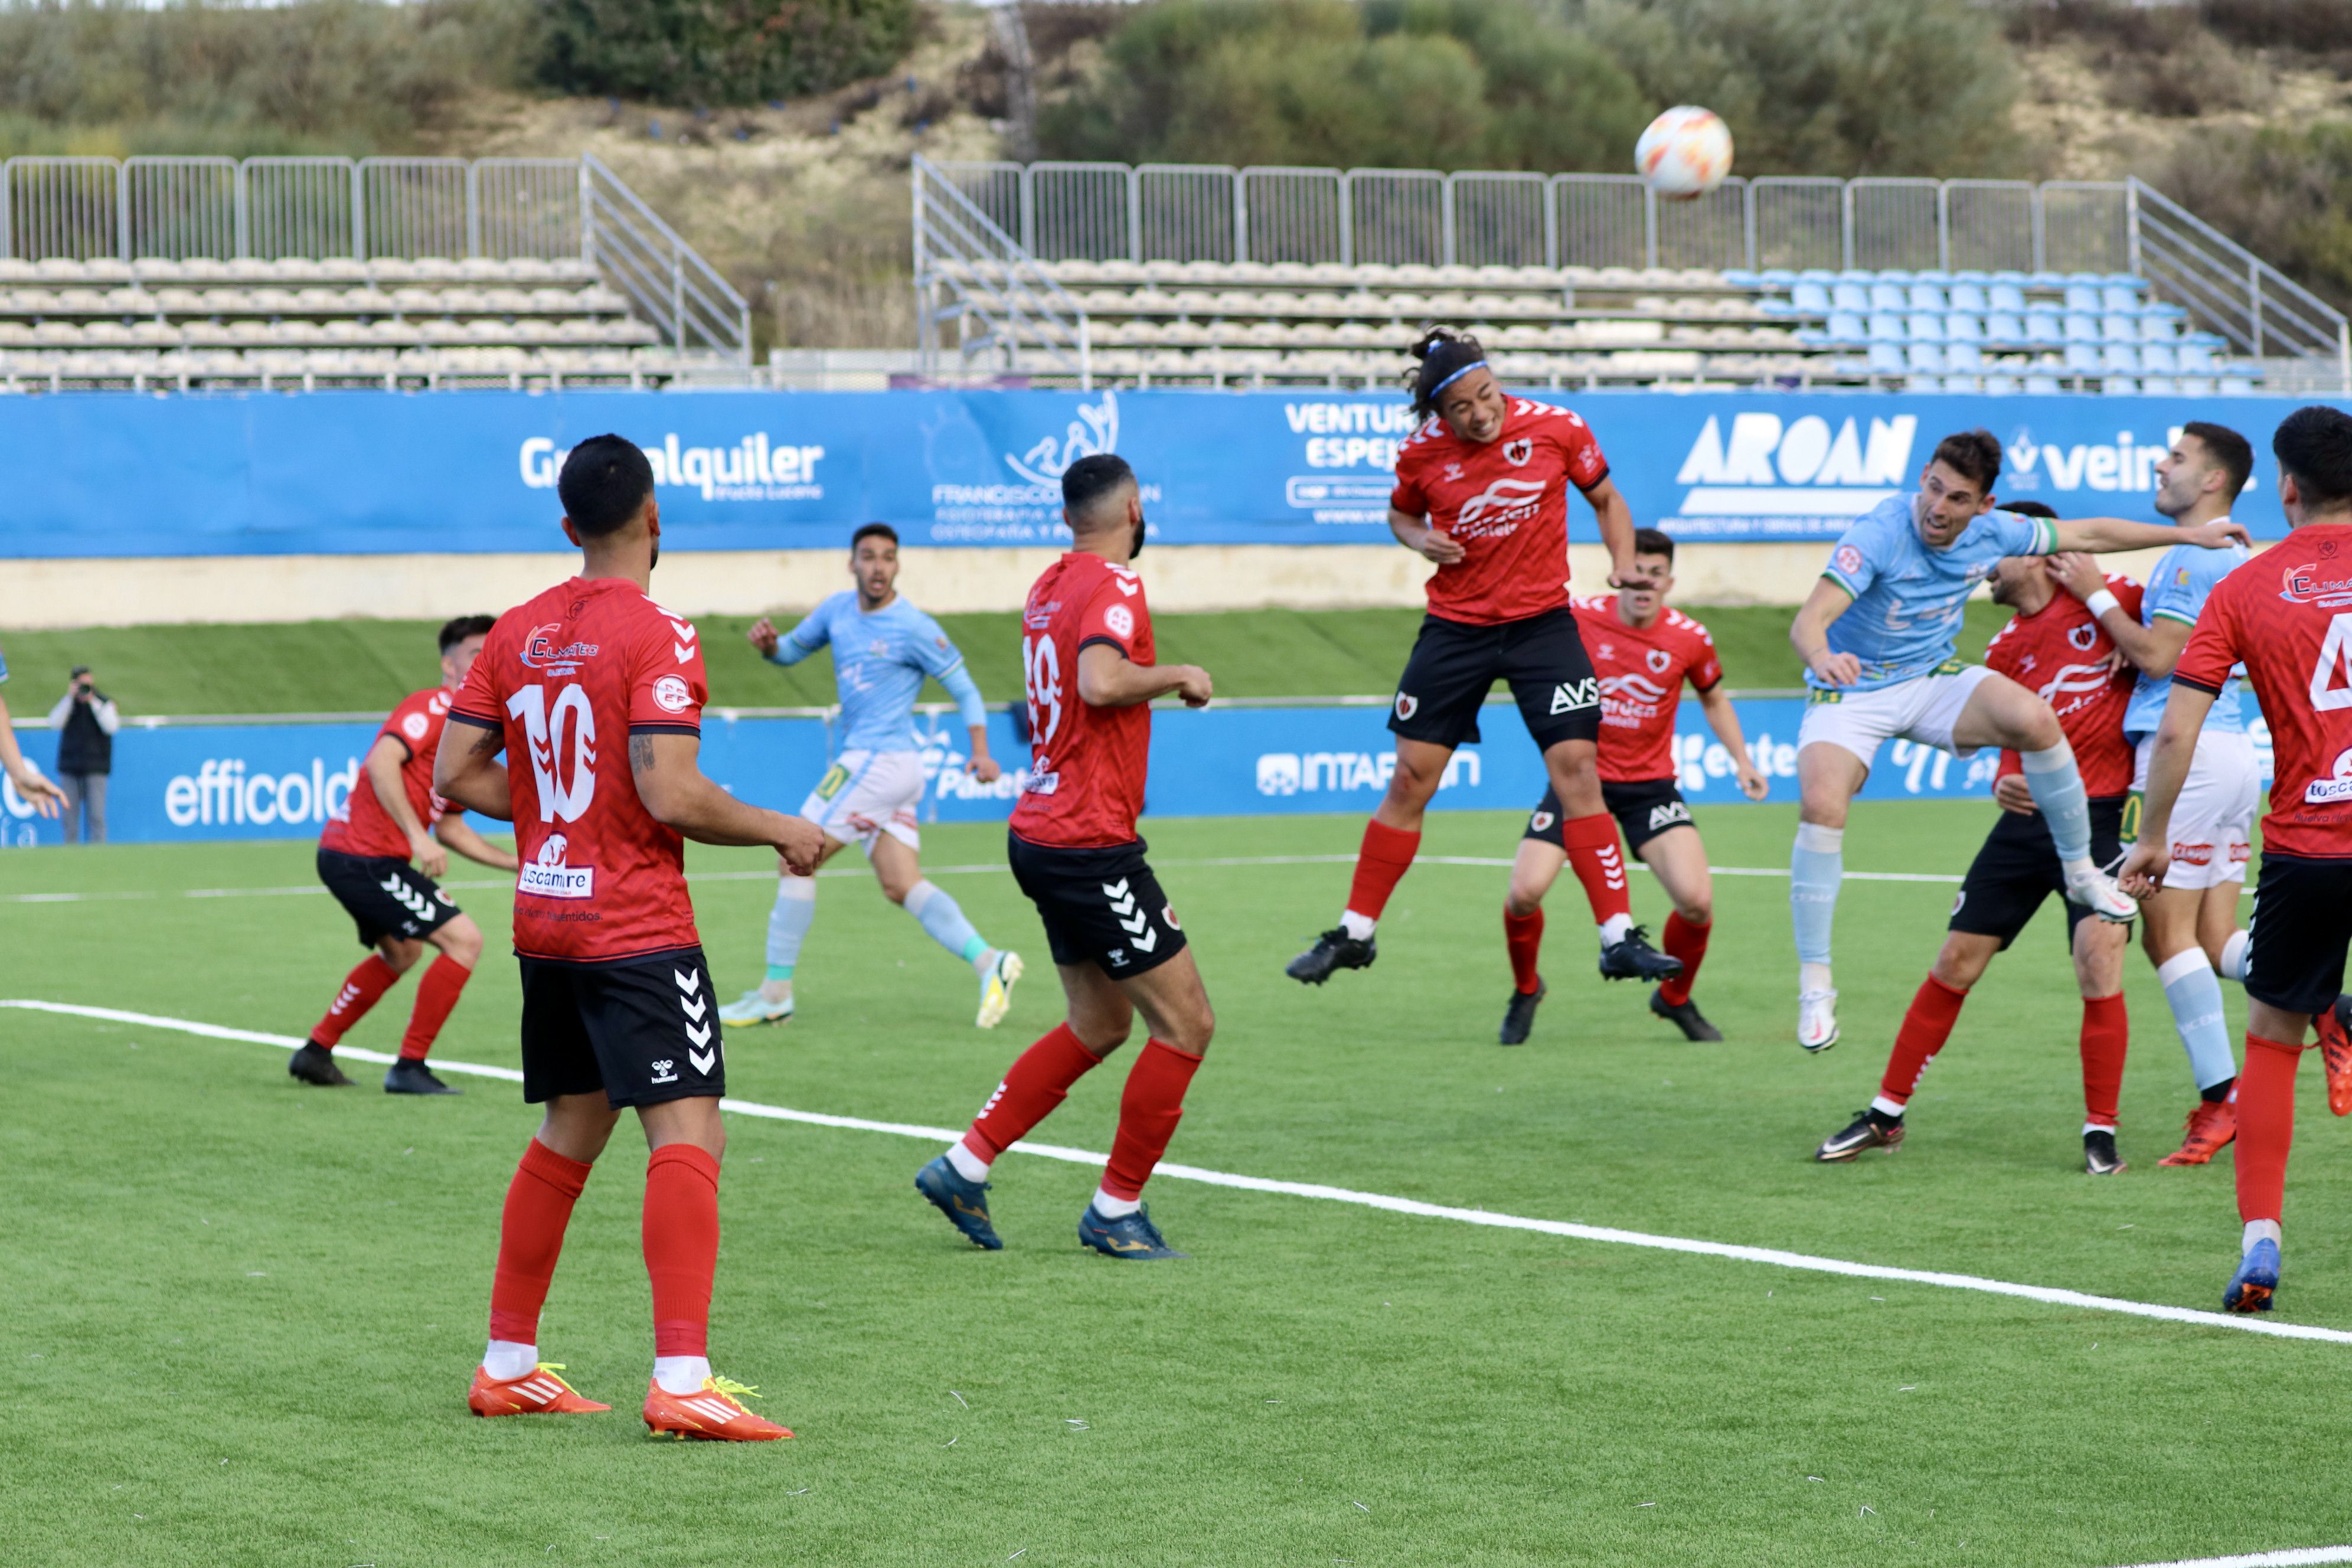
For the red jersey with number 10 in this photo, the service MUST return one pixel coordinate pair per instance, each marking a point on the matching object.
(1642, 671)
(2287, 615)
(567, 679)
(2060, 654)
(1507, 502)
(364, 826)
(1087, 764)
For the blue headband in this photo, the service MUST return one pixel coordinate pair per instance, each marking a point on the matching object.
(1457, 375)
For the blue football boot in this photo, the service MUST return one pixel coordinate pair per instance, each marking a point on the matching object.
(964, 1203)
(1131, 1236)
(2256, 1280)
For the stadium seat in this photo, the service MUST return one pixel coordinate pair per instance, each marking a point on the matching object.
(2000, 385)
(2082, 328)
(2119, 329)
(2082, 359)
(1928, 297)
(2120, 387)
(2119, 300)
(1923, 327)
(2039, 385)
(1885, 296)
(1886, 358)
(2194, 358)
(1963, 329)
(1886, 328)
(1925, 358)
(2120, 359)
(1810, 296)
(2159, 359)
(2160, 386)
(2045, 327)
(1964, 358)
(1970, 297)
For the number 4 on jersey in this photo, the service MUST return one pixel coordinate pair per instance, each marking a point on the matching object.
(2331, 679)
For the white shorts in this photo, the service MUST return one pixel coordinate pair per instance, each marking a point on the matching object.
(1923, 710)
(2213, 821)
(866, 793)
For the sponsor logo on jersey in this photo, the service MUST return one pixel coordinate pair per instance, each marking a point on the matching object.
(540, 650)
(415, 726)
(1849, 559)
(549, 874)
(1509, 501)
(671, 695)
(2321, 792)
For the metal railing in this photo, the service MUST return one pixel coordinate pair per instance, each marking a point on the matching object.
(973, 280)
(87, 209)
(1164, 212)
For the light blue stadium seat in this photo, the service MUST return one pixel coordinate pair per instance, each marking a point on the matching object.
(1888, 296)
(2160, 386)
(2000, 385)
(1928, 297)
(1849, 297)
(2161, 324)
(1969, 297)
(2120, 387)
(1886, 359)
(1935, 275)
(2083, 297)
(2235, 386)
(2194, 358)
(1924, 384)
(1862, 275)
(2082, 359)
(1966, 358)
(1818, 275)
(2082, 328)
(1924, 328)
(2046, 279)
(1810, 296)
(1927, 359)
(2131, 280)
(2119, 329)
(2120, 359)
(1780, 277)
(2008, 297)
(2158, 358)
(2004, 327)
(1845, 327)
(1740, 278)
(2045, 325)
(2117, 299)
(1886, 328)
(2196, 387)
(1960, 328)
(1902, 274)
(2042, 386)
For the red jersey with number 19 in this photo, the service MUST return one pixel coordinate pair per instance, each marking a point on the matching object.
(364, 827)
(2287, 615)
(567, 679)
(1507, 502)
(1087, 764)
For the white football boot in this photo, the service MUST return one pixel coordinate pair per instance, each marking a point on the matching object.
(754, 1007)
(996, 989)
(1817, 1024)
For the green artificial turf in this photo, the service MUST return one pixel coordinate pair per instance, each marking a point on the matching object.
(355, 666)
(239, 1315)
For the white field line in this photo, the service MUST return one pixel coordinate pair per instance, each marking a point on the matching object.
(943, 1136)
(2293, 1557)
(998, 868)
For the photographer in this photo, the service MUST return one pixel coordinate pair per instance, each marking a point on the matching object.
(85, 720)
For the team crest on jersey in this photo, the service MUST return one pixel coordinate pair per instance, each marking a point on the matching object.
(1407, 705)
(1517, 453)
(2083, 636)
(1849, 559)
(1659, 660)
(1540, 821)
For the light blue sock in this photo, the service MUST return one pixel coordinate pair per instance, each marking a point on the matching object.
(789, 922)
(2194, 994)
(1816, 867)
(942, 917)
(2057, 787)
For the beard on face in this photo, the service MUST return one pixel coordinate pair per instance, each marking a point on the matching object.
(1137, 550)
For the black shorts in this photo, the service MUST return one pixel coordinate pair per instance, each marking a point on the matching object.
(1644, 809)
(645, 1030)
(2017, 868)
(386, 896)
(2297, 936)
(1455, 664)
(1099, 906)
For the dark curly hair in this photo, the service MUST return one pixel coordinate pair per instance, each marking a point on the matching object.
(1445, 354)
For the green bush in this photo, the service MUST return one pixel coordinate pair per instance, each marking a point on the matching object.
(719, 52)
(2284, 195)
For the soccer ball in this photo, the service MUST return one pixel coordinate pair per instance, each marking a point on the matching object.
(1686, 152)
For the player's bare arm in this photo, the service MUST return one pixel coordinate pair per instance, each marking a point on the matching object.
(385, 760)
(1108, 679)
(681, 798)
(2098, 534)
(1809, 633)
(467, 771)
(1417, 535)
(764, 636)
(1721, 718)
(2168, 770)
(37, 792)
(2154, 650)
(1615, 519)
(453, 832)
(982, 766)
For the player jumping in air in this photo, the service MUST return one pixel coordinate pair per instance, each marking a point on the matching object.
(1482, 490)
(882, 649)
(1877, 636)
(2192, 920)
(31, 787)
(1085, 653)
(595, 693)
(2286, 615)
(2054, 647)
(1644, 652)
(382, 855)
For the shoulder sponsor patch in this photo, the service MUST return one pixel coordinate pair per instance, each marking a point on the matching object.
(670, 691)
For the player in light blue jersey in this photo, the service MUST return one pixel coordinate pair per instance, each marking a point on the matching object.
(1878, 637)
(2192, 920)
(882, 649)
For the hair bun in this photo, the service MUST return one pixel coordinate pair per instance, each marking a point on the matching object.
(1430, 340)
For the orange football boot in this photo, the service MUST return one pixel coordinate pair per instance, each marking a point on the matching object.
(537, 1393)
(2336, 1056)
(713, 1411)
(2210, 1128)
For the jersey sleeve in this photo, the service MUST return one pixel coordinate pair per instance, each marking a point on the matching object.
(1408, 497)
(2214, 647)
(478, 701)
(1114, 615)
(410, 723)
(813, 632)
(2024, 535)
(2178, 592)
(666, 685)
(2000, 654)
(2127, 592)
(1704, 668)
(1850, 565)
(1581, 450)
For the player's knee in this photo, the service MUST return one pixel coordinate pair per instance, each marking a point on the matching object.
(1521, 902)
(401, 957)
(1697, 912)
(462, 940)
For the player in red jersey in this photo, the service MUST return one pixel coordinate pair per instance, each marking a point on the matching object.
(2286, 615)
(1087, 661)
(381, 855)
(595, 692)
(2055, 647)
(1644, 652)
(1482, 490)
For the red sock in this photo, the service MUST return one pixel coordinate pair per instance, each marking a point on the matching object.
(1148, 1110)
(1592, 844)
(1687, 943)
(681, 1241)
(436, 994)
(1386, 855)
(363, 988)
(1032, 1087)
(2106, 1035)
(1926, 1025)
(2265, 1126)
(530, 1238)
(1523, 939)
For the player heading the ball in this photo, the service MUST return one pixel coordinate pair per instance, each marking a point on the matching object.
(1878, 637)
(594, 693)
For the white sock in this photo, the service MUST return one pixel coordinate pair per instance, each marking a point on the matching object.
(1614, 930)
(2098, 1126)
(1814, 977)
(967, 1165)
(776, 990)
(1110, 1208)
(1357, 926)
(984, 962)
(2259, 1230)
(2233, 956)
(681, 1373)
(2075, 870)
(506, 1359)
(1885, 1107)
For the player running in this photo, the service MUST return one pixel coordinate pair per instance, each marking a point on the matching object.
(1087, 651)
(382, 855)
(882, 649)
(1482, 490)
(600, 690)
(2192, 920)
(2284, 616)
(31, 788)
(1644, 652)
(1878, 638)
(2053, 646)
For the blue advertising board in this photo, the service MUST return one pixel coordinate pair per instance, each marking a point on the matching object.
(196, 782)
(372, 472)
